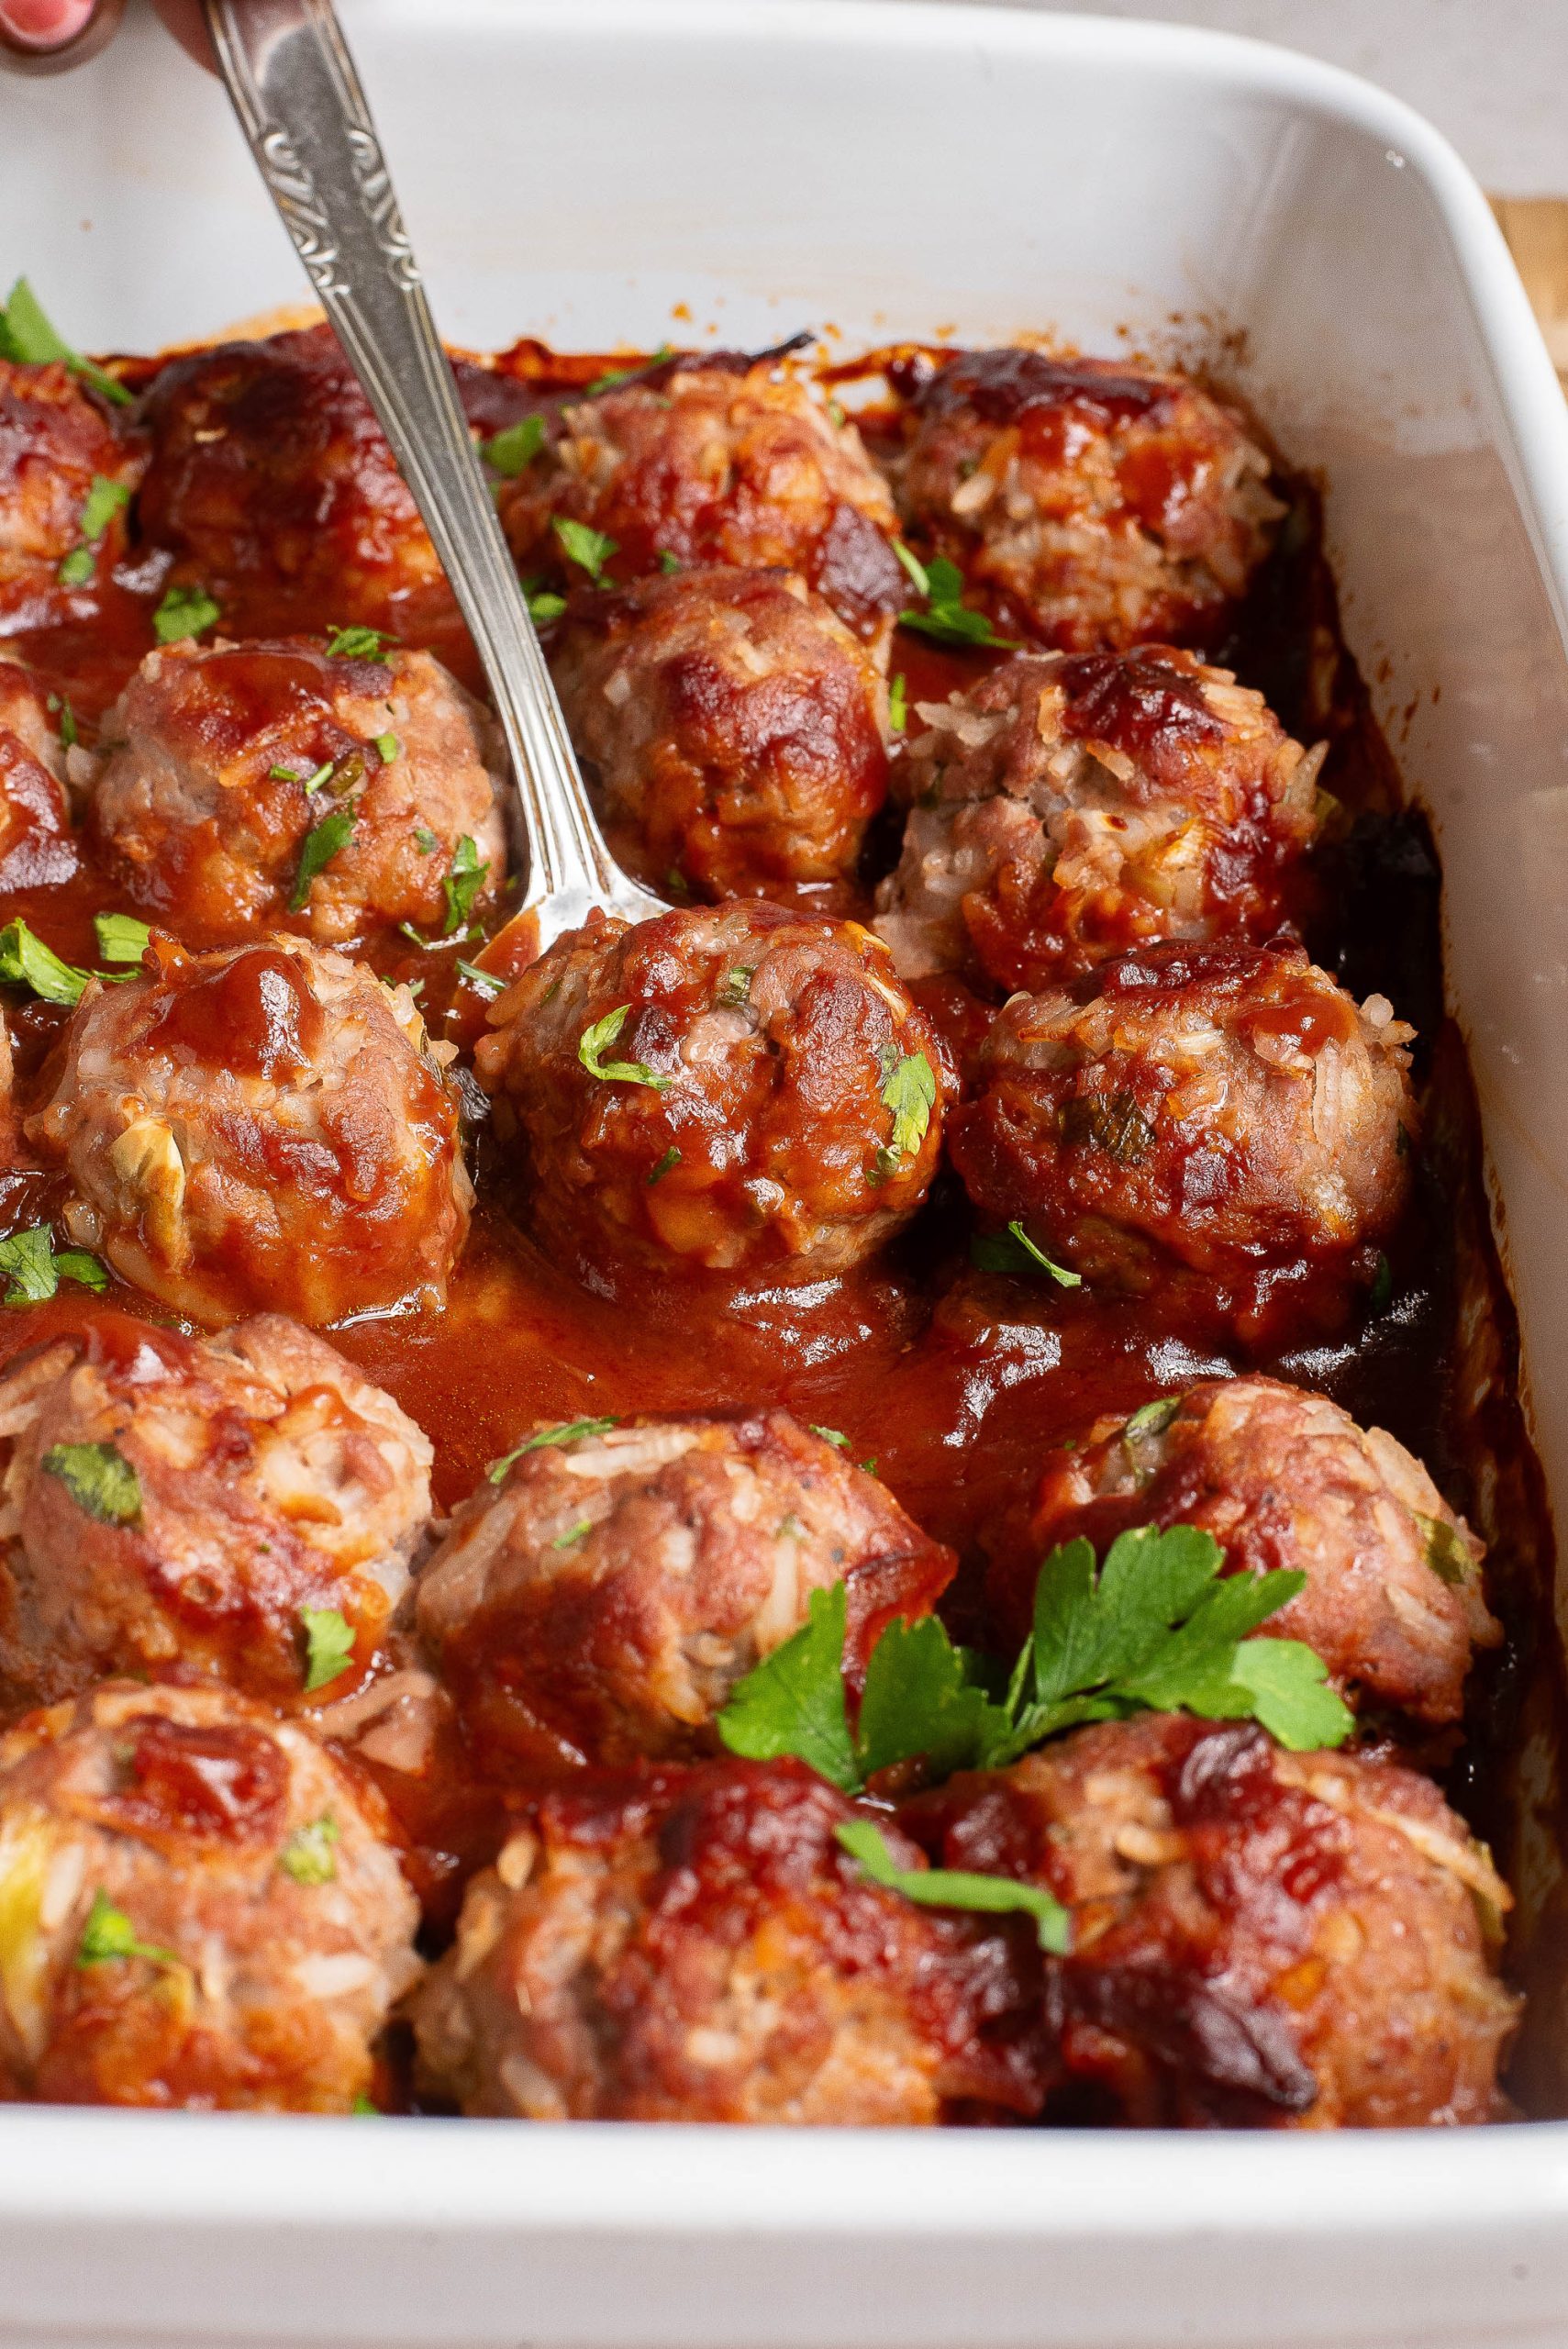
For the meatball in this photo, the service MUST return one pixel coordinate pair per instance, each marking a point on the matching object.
(1223, 1109)
(267, 1129)
(1068, 807)
(694, 1945)
(1099, 504)
(1286, 1480)
(1260, 1937)
(735, 727)
(173, 1503)
(715, 460)
(35, 847)
(218, 764)
(735, 1088)
(60, 532)
(200, 1908)
(271, 482)
(604, 1600)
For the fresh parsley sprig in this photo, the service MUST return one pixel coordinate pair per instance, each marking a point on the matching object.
(27, 962)
(329, 1646)
(317, 849)
(122, 938)
(185, 612)
(589, 548)
(28, 338)
(548, 1438)
(997, 1895)
(464, 878)
(1012, 1250)
(591, 1045)
(946, 618)
(33, 1267)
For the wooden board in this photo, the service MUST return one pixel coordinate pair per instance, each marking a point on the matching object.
(1537, 231)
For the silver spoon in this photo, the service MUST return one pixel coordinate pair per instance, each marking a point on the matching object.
(293, 81)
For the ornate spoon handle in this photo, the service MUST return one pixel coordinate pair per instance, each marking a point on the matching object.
(304, 113)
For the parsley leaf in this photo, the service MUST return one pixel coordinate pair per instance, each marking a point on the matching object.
(1152, 1418)
(793, 1702)
(317, 849)
(590, 1048)
(545, 1439)
(956, 1887)
(835, 1436)
(544, 606)
(508, 451)
(102, 503)
(121, 937)
(68, 734)
(946, 618)
(1014, 1251)
(77, 568)
(357, 643)
(910, 1091)
(590, 550)
(613, 376)
(921, 1700)
(35, 1271)
(425, 839)
(573, 1535)
(389, 746)
(1446, 1554)
(25, 335)
(671, 1158)
(489, 983)
(308, 1856)
(110, 1935)
(464, 879)
(185, 612)
(669, 563)
(99, 1479)
(897, 704)
(27, 962)
(330, 1646)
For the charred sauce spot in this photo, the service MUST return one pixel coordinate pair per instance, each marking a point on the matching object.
(1141, 704)
(1003, 386)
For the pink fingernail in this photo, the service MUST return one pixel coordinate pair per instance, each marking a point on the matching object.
(44, 24)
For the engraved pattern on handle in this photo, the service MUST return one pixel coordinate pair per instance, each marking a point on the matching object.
(308, 126)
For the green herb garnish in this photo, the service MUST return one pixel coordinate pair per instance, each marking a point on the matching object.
(317, 849)
(1014, 1251)
(103, 502)
(99, 1479)
(329, 1644)
(34, 1269)
(389, 746)
(508, 451)
(589, 548)
(357, 643)
(591, 1046)
(898, 705)
(544, 606)
(613, 376)
(573, 1535)
(1447, 1554)
(489, 983)
(668, 563)
(77, 568)
(464, 879)
(671, 1158)
(946, 618)
(185, 612)
(910, 1091)
(27, 962)
(26, 336)
(108, 1935)
(547, 1439)
(956, 1887)
(122, 938)
(308, 1856)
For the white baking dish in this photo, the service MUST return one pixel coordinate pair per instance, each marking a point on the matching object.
(575, 169)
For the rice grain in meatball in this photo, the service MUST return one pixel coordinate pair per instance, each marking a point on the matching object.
(265, 1130)
(1224, 1109)
(694, 1946)
(604, 1600)
(1067, 809)
(1095, 503)
(736, 1088)
(200, 1909)
(37, 850)
(735, 727)
(60, 532)
(218, 762)
(715, 460)
(248, 1477)
(1260, 1939)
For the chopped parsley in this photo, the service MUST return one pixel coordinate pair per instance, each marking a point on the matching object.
(573, 1535)
(1446, 1553)
(946, 618)
(329, 1646)
(464, 880)
(122, 938)
(27, 337)
(99, 1479)
(357, 643)
(956, 1887)
(835, 1436)
(1113, 1123)
(547, 1439)
(1152, 1418)
(317, 849)
(77, 568)
(34, 1268)
(615, 376)
(108, 1936)
(309, 1855)
(671, 1158)
(1014, 1251)
(185, 612)
(1154, 1628)
(669, 564)
(544, 606)
(389, 746)
(897, 705)
(425, 839)
(736, 989)
(910, 1091)
(508, 451)
(591, 1046)
(489, 983)
(589, 548)
(68, 735)
(27, 962)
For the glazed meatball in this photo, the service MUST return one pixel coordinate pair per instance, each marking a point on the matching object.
(1260, 1937)
(696, 1946)
(715, 460)
(200, 1908)
(1222, 1108)
(735, 1088)
(173, 1503)
(604, 1600)
(268, 1129)
(734, 725)
(1096, 502)
(37, 850)
(1067, 809)
(272, 484)
(218, 764)
(1286, 1480)
(56, 444)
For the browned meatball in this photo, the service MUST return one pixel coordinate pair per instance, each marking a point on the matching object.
(1223, 1109)
(604, 1600)
(200, 1908)
(1283, 1479)
(694, 1946)
(271, 483)
(1098, 503)
(742, 1087)
(715, 460)
(218, 764)
(173, 1502)
(1260, 1937)
(35, 847)
(268, 1129)
(56, 444)
(1067, 807)
(735, 727)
